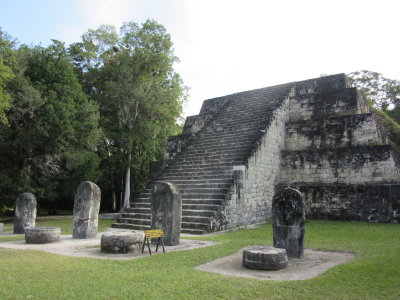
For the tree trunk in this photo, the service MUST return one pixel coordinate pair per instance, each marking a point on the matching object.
(114, 200)
(127, 191)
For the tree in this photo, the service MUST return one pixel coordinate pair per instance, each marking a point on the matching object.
(381, 92)
(50, 144)
(383, 95)
(139, 93)
(6, 75)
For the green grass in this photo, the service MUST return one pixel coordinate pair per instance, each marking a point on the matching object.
(64, 222)
(374, 274)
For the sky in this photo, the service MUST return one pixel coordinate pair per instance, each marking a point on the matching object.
(229, 46)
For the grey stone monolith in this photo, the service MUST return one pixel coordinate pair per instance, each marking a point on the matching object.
(1, 227)
(166, 211)
(25, 212)
(288, 222)
(86, 210)
(121, 242)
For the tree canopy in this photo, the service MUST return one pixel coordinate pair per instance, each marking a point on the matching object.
(92, 111)
(383, 95)
(382, 92)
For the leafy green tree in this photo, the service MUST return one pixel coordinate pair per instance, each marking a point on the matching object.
(383, 95)
(49, 146)
(5, 100)
(6, 74)
(139, 93)
(381, 92)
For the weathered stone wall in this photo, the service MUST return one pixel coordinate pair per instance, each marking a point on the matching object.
(250, 200)
(338, 155)
(379, 202)
(342, 131)
(322, 84)
(328, 103)
(355, 165)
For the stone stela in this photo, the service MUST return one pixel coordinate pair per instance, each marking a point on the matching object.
(288, 222)
(86, 210)
(166, 211)
(25, 212)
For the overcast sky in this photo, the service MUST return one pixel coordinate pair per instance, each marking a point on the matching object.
(228, 46)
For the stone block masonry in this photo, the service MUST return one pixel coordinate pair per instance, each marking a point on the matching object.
(317, 136)
(250, 200)
(333, 132)
(355, 165)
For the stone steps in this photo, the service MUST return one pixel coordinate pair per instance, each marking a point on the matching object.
(139, 216)
(204, 181)
(228, 135)
(178, 177)
(203, 170)
(135, 221)
(205, 154)
(130, 226)
(204, 166)
(213, 161)
(199, 207)
(200, 227)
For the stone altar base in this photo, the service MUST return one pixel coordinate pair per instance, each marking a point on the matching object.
(121, 242)
(311, 265)
(264, 258)
(42, 235)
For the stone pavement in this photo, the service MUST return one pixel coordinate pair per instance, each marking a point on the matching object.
(91, 247)
(314, 263)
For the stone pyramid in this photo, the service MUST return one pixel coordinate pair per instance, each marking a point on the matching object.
(317, 136)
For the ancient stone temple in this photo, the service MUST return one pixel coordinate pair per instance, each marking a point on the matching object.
(317, 136)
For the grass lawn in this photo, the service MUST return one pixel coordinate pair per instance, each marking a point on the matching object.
(374, 274)
(64, 222)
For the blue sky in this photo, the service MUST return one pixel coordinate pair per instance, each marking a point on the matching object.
(228, 46)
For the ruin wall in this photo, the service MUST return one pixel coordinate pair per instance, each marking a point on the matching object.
(250, 200)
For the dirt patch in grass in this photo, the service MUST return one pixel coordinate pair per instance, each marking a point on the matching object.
(315, 262)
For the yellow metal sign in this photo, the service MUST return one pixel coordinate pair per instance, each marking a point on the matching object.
(156, 233)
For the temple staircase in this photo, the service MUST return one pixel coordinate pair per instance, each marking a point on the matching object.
(203, 171)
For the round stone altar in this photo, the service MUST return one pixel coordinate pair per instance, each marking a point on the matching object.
(121, 242)
(42, 235)
(265, 258)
